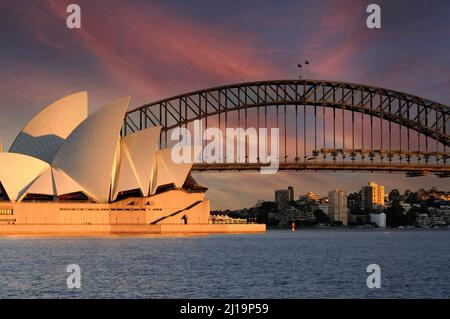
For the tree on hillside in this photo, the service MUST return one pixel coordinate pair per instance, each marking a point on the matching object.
(321, 217)
(394, 196)
(395, 216)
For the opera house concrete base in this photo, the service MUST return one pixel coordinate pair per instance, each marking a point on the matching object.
(104, 230)
(171, 212)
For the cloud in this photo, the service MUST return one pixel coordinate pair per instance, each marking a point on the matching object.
(157, 52)
(152, 50)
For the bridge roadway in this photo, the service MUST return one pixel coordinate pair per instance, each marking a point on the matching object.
(411, 169)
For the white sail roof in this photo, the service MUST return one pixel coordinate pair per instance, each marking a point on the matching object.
(43, 185)
(62, 151)
(126, 179)
(17, 171)
(168, 172)
(54, 183)
(89, 154)
(44, 134)
(64, 184)
(141, 148)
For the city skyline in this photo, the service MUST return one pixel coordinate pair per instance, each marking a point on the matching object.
(350, 183)
(368, 208)
(213, 44)
(301, 195)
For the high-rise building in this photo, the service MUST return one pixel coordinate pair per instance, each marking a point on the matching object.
(313, 197)
(337, 206)
(309, 198)
(291, 193)
(372, 195)
(282, 198)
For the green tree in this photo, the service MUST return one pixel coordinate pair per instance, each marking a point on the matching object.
(394, 196)
(321, 217)
(395, 216)
(411, 216)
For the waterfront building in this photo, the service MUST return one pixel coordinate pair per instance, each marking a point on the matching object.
(427, 221)
(445, 211)
(378, 219)
(67, 172)
(337, 206)
(357, 219)
(225, 219)
(372, 196)
(436, 220)
(422, 221)
(292, 214)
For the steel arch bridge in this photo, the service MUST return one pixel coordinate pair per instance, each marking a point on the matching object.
(324, 125)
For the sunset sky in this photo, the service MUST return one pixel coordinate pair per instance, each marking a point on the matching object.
(156, 49)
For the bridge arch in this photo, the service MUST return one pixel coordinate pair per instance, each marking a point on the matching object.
(425, 118)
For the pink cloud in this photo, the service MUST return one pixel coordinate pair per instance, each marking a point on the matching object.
(156, 53)
(341, 35)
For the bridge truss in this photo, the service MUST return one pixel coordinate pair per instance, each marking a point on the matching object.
(324, 125)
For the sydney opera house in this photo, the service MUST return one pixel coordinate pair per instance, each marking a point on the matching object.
(70, 173)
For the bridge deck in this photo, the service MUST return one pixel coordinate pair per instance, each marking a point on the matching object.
(412, 169)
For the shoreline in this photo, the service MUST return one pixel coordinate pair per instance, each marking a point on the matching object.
(206, 234)
(357, 228)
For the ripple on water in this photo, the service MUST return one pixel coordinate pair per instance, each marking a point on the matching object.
(278, 264)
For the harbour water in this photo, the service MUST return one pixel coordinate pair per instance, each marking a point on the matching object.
(277, 264)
